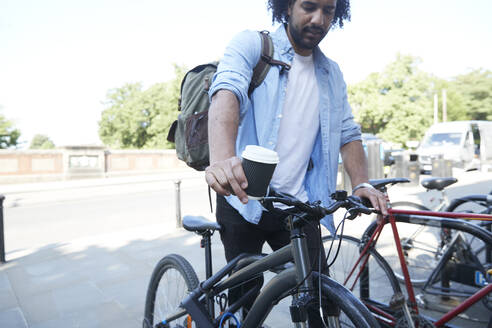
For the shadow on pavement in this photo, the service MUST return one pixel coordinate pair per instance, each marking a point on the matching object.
(96, 285)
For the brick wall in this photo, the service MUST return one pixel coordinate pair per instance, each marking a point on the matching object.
(120, 161)
(82, 162)
(29, 162)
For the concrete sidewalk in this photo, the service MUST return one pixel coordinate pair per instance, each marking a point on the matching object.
(101, 281)
(93, 282)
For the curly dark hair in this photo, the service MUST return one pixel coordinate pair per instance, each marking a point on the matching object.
(280, 8)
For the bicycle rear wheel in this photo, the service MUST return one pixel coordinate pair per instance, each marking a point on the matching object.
(375, 285)
(423, 245)
(172, 279)
(470, 204)
(475, 204)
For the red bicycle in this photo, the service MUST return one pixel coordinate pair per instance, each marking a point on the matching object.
(460, 280)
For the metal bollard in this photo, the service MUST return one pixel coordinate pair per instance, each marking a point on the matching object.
(177, 195)
(441, 167)
(375, 156)
(2, 243)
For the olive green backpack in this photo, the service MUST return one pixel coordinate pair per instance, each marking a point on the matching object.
(189, 132)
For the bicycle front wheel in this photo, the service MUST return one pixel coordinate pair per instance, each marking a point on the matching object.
(172, 280)
(340, 307)
(374, 284)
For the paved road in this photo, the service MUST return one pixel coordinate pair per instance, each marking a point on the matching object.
(66, 211)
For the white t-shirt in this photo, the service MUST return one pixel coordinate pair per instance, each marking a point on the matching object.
(298, 129)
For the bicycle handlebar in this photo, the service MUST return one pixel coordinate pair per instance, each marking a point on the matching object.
(352, 203)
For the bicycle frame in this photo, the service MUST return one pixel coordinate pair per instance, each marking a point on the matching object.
(438, 219)
(253, 266)
(249, 267)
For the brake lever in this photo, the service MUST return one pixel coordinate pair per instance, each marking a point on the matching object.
(267, 204)
(353, 213)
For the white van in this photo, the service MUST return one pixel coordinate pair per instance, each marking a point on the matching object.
(467, 143)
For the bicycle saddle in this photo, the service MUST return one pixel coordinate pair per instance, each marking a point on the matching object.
(199, 224)
(438, 183)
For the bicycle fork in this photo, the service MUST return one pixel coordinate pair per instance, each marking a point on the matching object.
(306, 297)
(300, 302)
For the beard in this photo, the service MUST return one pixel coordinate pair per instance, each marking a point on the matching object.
(308, 37)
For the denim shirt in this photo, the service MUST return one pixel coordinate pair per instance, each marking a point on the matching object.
(261, 113)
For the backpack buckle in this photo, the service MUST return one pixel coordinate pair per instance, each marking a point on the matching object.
(266, 58)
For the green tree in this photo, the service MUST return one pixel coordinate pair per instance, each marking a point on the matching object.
(41, 141)
(475, 90)
(9, 135)
(396, 104)
(137, 118)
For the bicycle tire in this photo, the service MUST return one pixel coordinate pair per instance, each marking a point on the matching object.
(421, 246)
(271, 308)
(416, 206)
(475, 204)
(342, 300)
(376, 287)
(470, 203)
(173, 277)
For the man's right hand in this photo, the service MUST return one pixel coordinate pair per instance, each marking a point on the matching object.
(227, 177)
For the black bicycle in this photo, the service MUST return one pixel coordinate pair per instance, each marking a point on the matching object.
(175, 297)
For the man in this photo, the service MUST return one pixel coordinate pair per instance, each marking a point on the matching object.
(303, 114)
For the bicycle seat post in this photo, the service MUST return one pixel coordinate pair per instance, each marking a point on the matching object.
(444, 200)
(206, 243)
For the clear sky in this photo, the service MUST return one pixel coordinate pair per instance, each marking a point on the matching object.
(58, 58)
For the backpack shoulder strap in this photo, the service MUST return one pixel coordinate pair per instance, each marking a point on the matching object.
(266, 60)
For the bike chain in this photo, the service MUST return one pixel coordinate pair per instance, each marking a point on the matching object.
(418, 321)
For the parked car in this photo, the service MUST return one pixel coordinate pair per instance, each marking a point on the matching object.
(466, 143)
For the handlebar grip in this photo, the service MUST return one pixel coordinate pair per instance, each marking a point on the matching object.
(365, 210)
(366, 202)
(361, 204)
